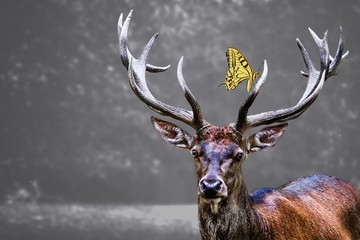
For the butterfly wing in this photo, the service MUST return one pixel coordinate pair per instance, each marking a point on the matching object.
(238, 70)
(237, 76)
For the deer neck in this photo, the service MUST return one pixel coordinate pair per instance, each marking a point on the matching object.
(236, 218)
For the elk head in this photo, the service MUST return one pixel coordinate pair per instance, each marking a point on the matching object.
(219, 152)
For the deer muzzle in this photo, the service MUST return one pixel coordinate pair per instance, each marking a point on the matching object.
(212, 188)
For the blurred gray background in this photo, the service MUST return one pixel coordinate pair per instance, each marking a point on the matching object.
(71, 130)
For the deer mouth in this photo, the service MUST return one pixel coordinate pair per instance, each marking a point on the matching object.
(212, 199)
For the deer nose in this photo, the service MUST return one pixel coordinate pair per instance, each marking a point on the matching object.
(210, 187)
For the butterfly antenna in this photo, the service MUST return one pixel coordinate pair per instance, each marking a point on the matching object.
(221, 84)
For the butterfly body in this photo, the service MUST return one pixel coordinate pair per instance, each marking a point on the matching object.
(239, 70)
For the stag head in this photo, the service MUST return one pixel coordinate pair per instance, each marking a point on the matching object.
(219, 152)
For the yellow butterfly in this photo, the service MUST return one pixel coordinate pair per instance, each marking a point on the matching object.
(239, 70)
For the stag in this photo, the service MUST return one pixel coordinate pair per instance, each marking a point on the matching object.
(312, 207)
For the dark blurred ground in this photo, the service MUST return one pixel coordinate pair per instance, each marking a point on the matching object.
(71, 130)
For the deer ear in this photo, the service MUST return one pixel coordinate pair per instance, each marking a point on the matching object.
(266, 137)
(172, 133)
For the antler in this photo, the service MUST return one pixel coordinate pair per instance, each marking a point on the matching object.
(124, 50)
(136, 74)
(316, 79)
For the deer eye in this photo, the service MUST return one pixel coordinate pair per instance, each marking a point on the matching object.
(194, 152)
(238, 154)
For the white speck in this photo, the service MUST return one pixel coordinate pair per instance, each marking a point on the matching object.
(110, 68)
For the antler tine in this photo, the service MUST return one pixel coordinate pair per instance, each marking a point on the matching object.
(313, 74)
(335, 61)
(315, 83)
(136, 74)
(124, 50)
(198, 120)
(339, 56)
(137, 81)
(243, 111)
(323, 48)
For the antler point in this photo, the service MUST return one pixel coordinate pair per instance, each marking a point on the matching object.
(156, 35)
(128, 18)
(326, 33)
(265, 65)
(120, 18)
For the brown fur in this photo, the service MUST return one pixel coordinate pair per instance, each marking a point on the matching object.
(312, 208)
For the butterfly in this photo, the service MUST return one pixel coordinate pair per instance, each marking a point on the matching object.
(239, 70)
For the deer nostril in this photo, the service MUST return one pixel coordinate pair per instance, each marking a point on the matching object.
(210, 187)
